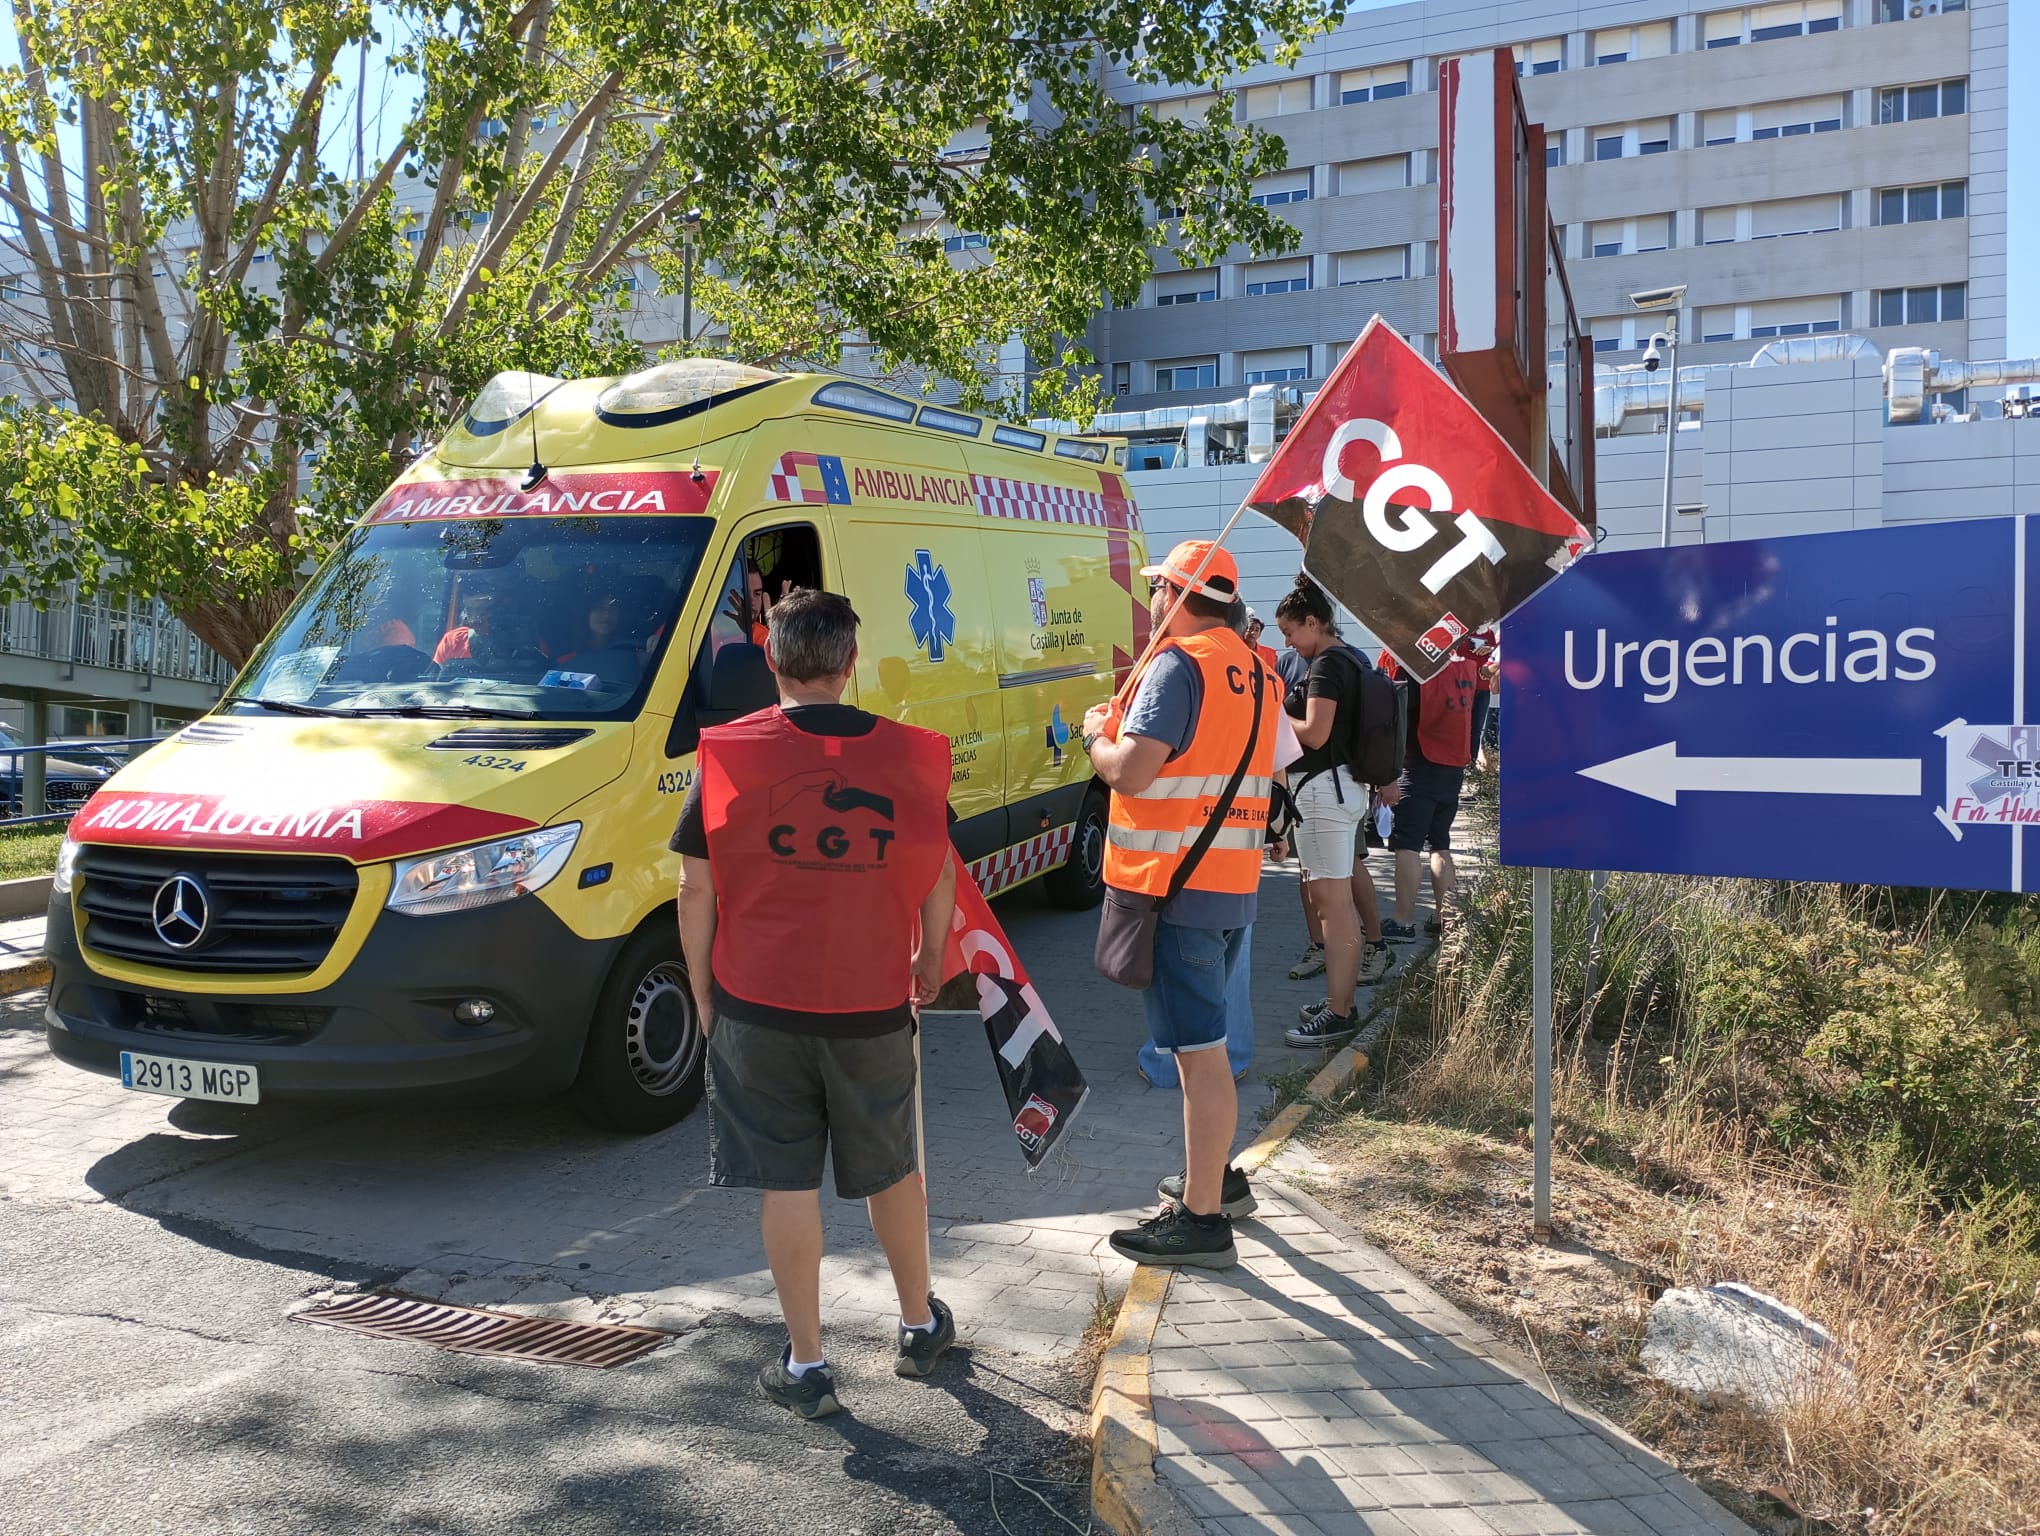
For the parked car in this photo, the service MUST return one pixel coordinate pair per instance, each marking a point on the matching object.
(67, 782)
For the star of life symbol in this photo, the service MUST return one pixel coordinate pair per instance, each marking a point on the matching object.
(928, 591)
(1993, 775)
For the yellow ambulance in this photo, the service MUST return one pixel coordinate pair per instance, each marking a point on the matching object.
(421, 845)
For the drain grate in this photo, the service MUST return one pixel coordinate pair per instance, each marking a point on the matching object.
(473, 1331)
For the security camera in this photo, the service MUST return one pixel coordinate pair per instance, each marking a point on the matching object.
(1650, 355)
(1658, 298)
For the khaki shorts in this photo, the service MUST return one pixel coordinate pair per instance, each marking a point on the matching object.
(779, 1102)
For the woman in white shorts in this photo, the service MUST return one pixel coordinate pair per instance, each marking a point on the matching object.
(1331, 809)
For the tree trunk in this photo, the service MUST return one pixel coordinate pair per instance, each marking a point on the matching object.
(234, 626)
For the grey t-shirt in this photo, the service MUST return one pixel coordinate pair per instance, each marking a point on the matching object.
(1165, 708)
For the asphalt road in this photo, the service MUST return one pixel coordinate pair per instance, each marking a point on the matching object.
(151, 1382)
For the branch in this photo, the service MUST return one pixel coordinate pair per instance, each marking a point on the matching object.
(351, 224)
(519, 129)
(594, 270)
(303, 121)
(488, 252)
(569, 212)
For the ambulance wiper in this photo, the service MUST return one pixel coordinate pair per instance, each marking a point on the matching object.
(284, 707)
(445, 712)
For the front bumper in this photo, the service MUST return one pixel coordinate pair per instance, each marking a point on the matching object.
(385, 1027)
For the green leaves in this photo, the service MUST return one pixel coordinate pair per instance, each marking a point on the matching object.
(251, 340)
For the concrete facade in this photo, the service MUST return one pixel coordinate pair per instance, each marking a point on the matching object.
(1775, 228)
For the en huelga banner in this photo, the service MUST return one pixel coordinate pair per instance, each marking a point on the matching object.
(1044, 1089)
(1412, 510)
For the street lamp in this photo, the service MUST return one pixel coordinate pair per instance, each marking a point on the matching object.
(1665, 301)
(689, 222)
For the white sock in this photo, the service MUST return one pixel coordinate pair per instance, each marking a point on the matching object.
(799, 1368)
(928, 1327)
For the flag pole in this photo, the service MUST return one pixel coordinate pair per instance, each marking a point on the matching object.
(921, 1156)
(1119, 697)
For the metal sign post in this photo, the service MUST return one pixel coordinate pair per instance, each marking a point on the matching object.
(1540, 1020)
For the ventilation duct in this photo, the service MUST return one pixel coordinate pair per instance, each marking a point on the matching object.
(1913, 373)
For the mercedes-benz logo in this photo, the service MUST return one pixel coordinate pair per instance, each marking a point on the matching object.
(181, 911)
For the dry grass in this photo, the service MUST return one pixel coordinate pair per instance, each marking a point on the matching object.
(1670, 1173)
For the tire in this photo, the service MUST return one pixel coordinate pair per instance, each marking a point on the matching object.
(641, 1070)
(1079, 884)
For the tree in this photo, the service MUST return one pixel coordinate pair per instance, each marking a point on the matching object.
(228, 338)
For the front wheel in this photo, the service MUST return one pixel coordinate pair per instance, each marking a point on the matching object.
(642, 1068)
(1079, 884)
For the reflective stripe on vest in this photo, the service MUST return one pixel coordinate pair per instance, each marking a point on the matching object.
(1149, 833)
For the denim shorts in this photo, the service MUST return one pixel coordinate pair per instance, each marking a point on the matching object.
(1430, 801)
(1331, 812)
(1186, 1001)
(779, 1102)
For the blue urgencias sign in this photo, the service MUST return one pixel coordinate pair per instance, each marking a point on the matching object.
(1836, 706)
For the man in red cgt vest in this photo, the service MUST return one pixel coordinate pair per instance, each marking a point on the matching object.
(815, 894)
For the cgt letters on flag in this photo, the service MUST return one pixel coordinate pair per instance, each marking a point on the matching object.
(1044, 1090)
(1412, 510)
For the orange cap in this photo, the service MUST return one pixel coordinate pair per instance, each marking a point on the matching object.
(1221, 573)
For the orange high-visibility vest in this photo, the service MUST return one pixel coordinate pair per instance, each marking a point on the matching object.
(1149, 833)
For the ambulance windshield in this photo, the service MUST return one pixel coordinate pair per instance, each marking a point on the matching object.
(564, 618)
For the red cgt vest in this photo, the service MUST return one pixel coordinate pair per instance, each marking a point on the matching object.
(823, 848)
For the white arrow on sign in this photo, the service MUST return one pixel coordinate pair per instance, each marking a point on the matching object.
(1659, 773)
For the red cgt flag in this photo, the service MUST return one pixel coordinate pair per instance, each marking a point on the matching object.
(1412, 510)
(1044, 1089)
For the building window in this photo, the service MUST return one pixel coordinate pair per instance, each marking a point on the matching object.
(1386, 264)
(1286, 187)
(1283, 367)
(1190, 373)
(1910, 103)
(1546, 56)
(1122, 378)
(1620, 141)
(1764, 23)
(1772, 120)
(1181, 107)
(1917, 205)
(1618, 45)
(1199, 287)
(1912, 10)
(1276, 99)
(1384, 174)
(1278, 277)
(1922, 306)
(1377, 84)
(1770, 318)
(955, 243)
(1627, 237)
(1554, 149)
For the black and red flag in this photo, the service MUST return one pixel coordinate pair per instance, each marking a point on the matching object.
(1044, 1089)
(1412, 510)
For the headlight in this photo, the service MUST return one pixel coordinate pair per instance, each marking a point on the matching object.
(488, 872)
(67, 866)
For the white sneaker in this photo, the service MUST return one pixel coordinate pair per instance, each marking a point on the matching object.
(1310, 963)
(1375, 963)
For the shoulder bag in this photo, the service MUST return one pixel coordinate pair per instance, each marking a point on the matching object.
(1126, 923)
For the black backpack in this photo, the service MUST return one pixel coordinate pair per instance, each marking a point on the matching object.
(1377, 733)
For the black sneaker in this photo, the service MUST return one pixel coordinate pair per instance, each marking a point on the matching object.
(1176, 1237)
(1323, 1028)
(811, 1395)
(1304, 1014)
(920, 1348)
(1393, 932)
(1235, 1195)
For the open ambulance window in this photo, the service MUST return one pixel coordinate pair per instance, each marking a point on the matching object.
(766, 567)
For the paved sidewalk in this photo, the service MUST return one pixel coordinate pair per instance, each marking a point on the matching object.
(1319, 1389)
(22, 937)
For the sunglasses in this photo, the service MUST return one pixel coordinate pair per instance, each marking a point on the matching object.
(1159, 584)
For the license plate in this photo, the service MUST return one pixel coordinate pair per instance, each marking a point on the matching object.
(189, 1079)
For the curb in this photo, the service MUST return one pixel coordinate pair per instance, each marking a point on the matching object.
(1126, 1496)
(26, 897)
(24, 975)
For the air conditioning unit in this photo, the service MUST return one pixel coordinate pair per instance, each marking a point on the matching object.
(1929, 8)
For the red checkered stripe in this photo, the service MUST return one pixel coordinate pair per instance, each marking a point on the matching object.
(1038, 503)
(1023, 861)
(786, 484)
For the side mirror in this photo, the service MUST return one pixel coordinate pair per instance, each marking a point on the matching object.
(739, 684)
